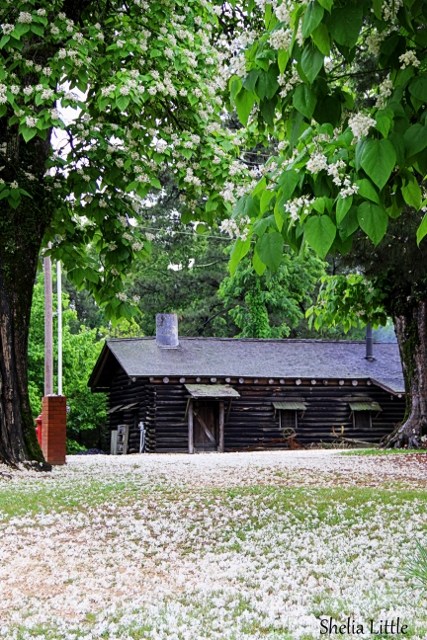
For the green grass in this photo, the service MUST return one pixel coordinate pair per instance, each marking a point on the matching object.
(23, 500)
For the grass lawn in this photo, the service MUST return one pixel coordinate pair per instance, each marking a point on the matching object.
(259, 546)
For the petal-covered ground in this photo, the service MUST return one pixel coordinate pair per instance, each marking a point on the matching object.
(241, 546)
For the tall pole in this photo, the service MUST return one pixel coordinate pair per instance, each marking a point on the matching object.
(48, 328)
(59, 304)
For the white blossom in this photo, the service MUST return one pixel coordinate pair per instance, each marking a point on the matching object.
(25, 17)
(318, 162)
(409, 59)
(280, 38)
(360, 125)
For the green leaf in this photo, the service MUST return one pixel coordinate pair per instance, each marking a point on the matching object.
(155, 182)
(282, 60)
(378, 160)
(349, 224)
(28, 133)
(367, 190)
(246, 206)
(20, 30)
(37, 29)
(373, 220)
(320, 37)
(418, 88)
(326, 4)
(320, 232)
(345, 24)
(288, 182)
(377, 6)
(343, 207)
(384, 121)
(415, 139)
(270, 249)
(122, 103)
(240, 249)
(249, 82)
(311, 62)
(266, 198)
(278, 218)
(3, 41)
(422, 229)
(304, 100)
(312, 18)
(235, 84)
(411, 193)
(268, 110)
(258, 264)
(244, 101)
(267, 84)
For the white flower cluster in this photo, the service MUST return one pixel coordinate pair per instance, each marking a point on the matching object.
(280, 38)
(7, 29)
(385, 89)
(288, 81)
(318, 162)
(335, 169)
(360, 125)
(25, 17)
(282, 12)
(236, 229)
(190, 178)
(409, 59)
(298, 207)
(349, 188)
(373, 41)
(390, 9)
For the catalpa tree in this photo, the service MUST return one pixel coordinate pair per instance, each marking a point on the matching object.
(340, 87)
(97, 100)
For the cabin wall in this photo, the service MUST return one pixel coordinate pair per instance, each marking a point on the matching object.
(251, 422)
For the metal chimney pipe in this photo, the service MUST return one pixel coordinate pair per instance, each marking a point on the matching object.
(369, 344)
(167, 330)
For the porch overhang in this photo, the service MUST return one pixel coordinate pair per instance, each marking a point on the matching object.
(365, 406)
(290, 405)
(212, 391)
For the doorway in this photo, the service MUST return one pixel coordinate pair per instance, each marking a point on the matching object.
(206, 425)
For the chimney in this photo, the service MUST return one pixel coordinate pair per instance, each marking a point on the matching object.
(369, 344)
(167, 330)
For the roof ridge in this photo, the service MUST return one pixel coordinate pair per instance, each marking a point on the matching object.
(263, 340)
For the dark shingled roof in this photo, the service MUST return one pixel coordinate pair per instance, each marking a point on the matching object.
(235, 358)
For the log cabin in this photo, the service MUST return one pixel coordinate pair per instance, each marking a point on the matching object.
(173, 394)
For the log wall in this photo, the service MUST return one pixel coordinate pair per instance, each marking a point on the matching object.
(251, 422)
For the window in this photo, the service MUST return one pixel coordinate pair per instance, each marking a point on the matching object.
(288, 411)
(362, 410)
(362, 420)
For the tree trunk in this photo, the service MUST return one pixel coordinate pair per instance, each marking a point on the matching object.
(411, 331)
(21, 233)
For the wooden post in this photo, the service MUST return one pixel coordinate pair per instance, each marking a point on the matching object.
(221, 428)
(190, 428)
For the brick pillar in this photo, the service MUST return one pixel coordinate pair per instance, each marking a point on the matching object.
(54, 417)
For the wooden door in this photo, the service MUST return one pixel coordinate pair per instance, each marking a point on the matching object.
(205, 425)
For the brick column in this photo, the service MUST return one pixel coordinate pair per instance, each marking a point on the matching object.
(54, 417)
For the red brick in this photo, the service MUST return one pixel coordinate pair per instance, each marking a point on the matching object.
(54, 417)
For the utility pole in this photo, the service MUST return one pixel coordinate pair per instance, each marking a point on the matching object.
(48, 328)
(59, 305)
